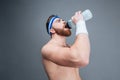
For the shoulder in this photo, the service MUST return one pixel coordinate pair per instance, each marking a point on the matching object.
(47, 48)
(44, 48)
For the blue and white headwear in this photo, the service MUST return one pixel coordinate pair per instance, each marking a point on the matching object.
(50, 23)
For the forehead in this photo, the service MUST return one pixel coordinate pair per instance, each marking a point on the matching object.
(57, 19)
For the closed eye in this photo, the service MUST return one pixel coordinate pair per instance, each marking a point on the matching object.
(58, 20)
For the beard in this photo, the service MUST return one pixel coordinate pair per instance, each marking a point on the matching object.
(63, 32)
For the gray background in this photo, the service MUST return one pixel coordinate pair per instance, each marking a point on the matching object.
(23, 33)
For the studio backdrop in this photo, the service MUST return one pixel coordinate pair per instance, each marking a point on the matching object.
(23, 33)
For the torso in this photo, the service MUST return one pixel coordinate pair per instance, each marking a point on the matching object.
(57, 72)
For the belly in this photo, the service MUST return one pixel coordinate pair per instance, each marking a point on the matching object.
(57, 72)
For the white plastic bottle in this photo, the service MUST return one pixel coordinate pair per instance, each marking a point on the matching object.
(87, 15)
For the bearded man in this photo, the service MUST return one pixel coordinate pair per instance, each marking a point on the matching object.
(61, 61)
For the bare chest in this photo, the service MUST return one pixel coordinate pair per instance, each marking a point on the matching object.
(55, 71)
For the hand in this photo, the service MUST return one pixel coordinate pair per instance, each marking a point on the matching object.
(78, 16)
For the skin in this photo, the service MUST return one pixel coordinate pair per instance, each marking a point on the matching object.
(61, 61)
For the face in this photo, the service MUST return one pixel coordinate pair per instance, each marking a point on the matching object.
(60, 27)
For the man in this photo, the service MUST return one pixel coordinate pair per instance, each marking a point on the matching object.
(61, 61)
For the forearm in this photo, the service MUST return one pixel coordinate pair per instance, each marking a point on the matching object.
(81, 46)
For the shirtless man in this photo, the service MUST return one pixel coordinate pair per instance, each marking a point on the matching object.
(61, 61)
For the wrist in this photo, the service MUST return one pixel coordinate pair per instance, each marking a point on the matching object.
(81, 27)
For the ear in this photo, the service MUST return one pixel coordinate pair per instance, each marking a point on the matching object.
(52, 30)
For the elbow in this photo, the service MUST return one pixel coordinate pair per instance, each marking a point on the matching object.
(82, 61)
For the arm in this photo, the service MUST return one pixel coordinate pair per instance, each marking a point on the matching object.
(81, 44)
(81, 49)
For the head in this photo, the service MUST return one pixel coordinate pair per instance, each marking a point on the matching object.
(56, 25)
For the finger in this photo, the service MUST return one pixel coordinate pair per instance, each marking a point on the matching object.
(79, 12)
(72, 18)
(76, 13)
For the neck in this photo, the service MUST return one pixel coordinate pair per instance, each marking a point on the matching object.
(60, 40)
